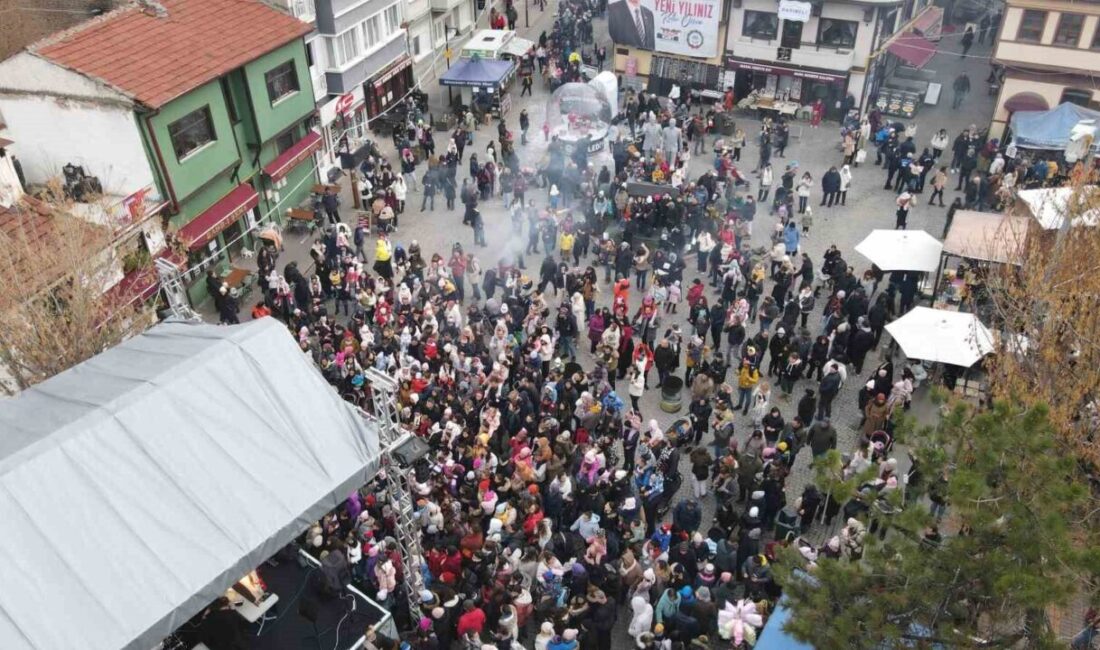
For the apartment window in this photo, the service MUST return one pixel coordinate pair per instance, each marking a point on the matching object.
(393, 19)
(792, 34)
(372, 31)
(309, 54)
(1069, 30)
(285, 141)
(416, 45)
(1077, 96)
(345, 48)
(837, 33)
(191, 132)
(282, 81)
(761, 25)
(1031, 26)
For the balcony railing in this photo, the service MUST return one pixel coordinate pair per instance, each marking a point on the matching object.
(303, 10)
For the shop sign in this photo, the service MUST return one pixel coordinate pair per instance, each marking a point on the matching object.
(796, 11)
(394, 69)
(736, 64)
(329, 110)
(632, 65)
(344, 103)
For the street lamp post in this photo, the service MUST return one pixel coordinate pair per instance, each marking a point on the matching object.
(447, 55)
(526, 13)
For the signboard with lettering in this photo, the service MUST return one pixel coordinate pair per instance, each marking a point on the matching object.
(685, 27)
(796, 11)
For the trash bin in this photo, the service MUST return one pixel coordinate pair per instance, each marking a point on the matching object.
(671, 401)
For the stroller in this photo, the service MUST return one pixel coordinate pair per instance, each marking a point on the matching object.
(882, 443)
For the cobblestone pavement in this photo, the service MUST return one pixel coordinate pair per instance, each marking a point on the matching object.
(868, 207)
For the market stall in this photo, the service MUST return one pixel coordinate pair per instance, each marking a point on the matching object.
(496, 44)
(974, 242)
(1050, 206)
(483, 83)
(135, 509)
(901, 250)
(942, 336)
(1049, 130)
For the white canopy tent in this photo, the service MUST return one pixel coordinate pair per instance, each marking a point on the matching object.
(956, 338)
(901, 250)
(139, 485)
(1050, 205)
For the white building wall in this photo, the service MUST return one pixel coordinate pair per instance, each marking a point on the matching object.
(78, 122)
(826, 58)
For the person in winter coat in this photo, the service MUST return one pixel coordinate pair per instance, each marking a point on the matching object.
(822, 437)
(860, 343)
(876, 413)
(805, 186)
(830, 187)
(667, 606)
(765, 183)
(845, 183)
(642, 620)
(791, 238)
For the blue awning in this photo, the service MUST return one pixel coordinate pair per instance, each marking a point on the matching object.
(1049, 129)
(478, 73)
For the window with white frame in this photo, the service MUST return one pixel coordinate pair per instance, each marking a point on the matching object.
(372, 31)
(393, 19)
(344, 48)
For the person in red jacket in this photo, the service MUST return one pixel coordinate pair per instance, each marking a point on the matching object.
(471, 620)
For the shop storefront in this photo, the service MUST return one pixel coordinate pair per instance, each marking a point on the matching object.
(343, 125)
(795, 84)
(390, 85)
(689, 74)
(216, 237)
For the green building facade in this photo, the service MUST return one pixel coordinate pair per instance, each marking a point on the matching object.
(234, 153)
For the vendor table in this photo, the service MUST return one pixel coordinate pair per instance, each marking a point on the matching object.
(236, 277)
(782, 108)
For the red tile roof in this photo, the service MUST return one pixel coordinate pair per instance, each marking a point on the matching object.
(155, 60)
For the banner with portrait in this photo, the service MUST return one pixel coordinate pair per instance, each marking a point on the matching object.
(685, 27)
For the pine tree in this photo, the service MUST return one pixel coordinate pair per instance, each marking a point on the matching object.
(1022, 539)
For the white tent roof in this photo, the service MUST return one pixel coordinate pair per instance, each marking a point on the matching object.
(953, 337)
(1049, 205)
(139, 485)
(901, 250)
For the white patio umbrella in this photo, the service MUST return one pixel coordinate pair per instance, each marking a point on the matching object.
(901, 250)
(939, 335)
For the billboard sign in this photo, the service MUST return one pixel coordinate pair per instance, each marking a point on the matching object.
(685, 27)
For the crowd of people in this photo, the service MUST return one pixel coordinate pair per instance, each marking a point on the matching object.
(552, 503)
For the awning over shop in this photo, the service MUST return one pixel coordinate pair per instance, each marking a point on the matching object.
(988, 237)
(136, 487)
(1049, 129)
(1026, 101)
(292, 157)
(142, 284)
(915, 50)
(480, 73)
(219, 216)
(929, 23)
(518, 46)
